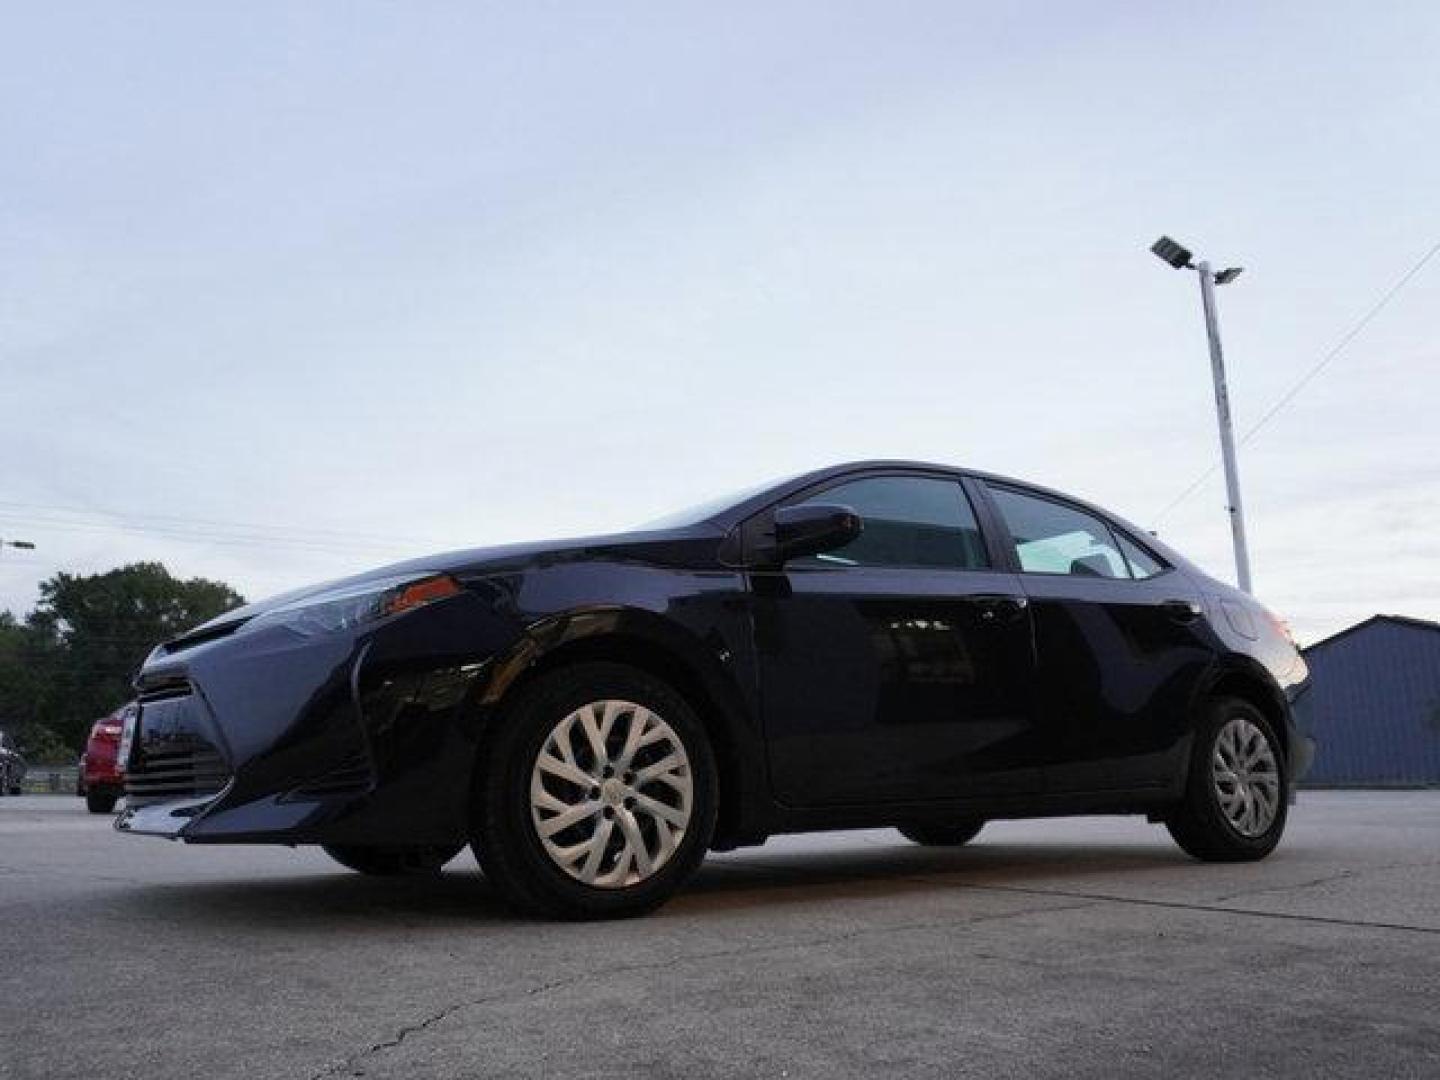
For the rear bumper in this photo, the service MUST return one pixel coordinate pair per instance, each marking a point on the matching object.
(102, 774)
(269, 736)
(1302, 756)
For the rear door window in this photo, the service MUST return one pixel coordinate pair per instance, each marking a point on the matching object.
(1053, 538)
(1142, 563)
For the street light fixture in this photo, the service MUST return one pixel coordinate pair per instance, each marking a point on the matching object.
(1181, 259)
(23, 545)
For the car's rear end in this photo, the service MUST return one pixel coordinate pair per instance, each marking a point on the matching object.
(102, 778)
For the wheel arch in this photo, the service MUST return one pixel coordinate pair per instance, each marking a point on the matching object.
(1243, 678)
(655, 645)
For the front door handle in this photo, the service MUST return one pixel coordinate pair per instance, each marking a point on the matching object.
(1181, 611)
(1001, 609)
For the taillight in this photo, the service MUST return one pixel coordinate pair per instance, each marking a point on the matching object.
(1280, 625)
(109, 731)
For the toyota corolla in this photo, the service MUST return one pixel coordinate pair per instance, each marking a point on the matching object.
(876, 644)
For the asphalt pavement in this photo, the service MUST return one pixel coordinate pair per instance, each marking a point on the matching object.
(1087, 947)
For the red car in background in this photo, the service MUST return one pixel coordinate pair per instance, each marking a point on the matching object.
(102, 781)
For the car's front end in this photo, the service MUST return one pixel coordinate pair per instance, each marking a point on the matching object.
(336, 715)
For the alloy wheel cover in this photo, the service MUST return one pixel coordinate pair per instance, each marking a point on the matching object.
(611, 794)
(1246, 776)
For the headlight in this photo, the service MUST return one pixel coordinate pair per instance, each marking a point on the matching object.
(350, 606)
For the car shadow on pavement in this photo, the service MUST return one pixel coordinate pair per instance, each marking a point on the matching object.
(461, 896)
(334, 899)
(770, 878)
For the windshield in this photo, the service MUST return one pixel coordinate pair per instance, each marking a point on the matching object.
(694, 515)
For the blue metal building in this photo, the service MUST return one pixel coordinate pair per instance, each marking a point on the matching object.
(1373, 706)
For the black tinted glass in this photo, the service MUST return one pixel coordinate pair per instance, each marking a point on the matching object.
(1051, 538)
(911, 521)
(1142, 563)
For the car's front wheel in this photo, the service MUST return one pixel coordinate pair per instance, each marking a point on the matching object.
(101, 802)
(950, 834)
(596, 798)
(1235, 804)
(393, 860)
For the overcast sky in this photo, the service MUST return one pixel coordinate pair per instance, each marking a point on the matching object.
(292, 290)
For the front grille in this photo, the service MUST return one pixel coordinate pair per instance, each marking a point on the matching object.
(200, 637)
(176, 772)
(163, 688)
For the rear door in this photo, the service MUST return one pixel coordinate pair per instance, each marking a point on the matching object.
(898, 667)
(1120, 644)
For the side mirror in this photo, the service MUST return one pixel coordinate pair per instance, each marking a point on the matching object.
(811, 528)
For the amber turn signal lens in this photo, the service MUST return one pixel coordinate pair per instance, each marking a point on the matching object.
(423, 592)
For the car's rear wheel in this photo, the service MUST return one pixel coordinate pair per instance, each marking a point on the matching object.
(596, 797)
(101, 802)
(393, 860)
(1235, 805)
(951, 834)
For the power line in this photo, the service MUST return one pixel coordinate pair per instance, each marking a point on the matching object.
(168, 520)
(1309, 376)
(53, 523)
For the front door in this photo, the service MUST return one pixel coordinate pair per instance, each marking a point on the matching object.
(898, 667)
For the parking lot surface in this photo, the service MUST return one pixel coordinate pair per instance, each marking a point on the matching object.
(1073, 948)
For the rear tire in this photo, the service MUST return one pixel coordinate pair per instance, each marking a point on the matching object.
(953, 834)
(596, 797)
(101, 802)
(1237, 791)
(393, 860)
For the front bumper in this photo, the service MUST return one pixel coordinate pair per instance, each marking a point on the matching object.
(271, 736)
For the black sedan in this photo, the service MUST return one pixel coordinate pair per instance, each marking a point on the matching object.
(876, 644)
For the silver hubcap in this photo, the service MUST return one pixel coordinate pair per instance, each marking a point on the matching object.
(610, 794)
(1247, 777)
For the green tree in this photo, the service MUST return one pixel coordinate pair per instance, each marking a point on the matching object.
(75, 655)
(21, 679)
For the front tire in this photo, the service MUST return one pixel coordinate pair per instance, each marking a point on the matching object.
(597, 795)
(951, 834)
(101, 802)
(1236, 794)
(393, 860)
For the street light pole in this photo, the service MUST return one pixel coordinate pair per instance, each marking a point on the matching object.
(1180, 258)
(1227, 431)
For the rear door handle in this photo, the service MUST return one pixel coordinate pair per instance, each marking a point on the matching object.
(1182, 611)
(1001, 609)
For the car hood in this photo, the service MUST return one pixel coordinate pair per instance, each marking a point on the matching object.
(463, 562)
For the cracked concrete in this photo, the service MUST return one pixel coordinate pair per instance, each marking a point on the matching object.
(1078, 948)
(349, 1064)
